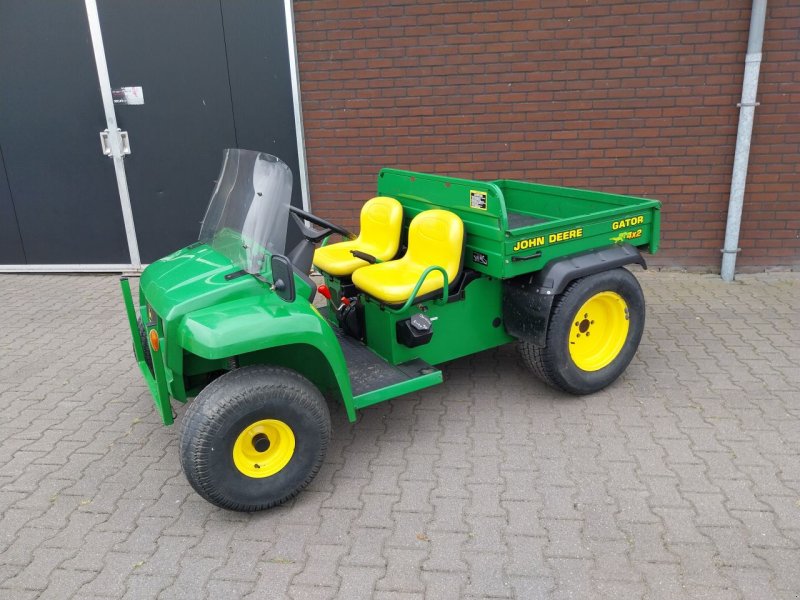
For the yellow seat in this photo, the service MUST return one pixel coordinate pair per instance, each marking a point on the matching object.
(435, 237)
(381, 219)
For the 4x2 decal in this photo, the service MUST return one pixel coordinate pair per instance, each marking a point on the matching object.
(626, 235)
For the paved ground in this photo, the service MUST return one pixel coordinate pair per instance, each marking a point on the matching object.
(680, 481)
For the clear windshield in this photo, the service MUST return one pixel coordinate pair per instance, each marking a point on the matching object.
(249, 210)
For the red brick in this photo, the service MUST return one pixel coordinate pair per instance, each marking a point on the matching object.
(632, 97)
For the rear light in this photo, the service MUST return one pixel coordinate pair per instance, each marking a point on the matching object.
(154, 344)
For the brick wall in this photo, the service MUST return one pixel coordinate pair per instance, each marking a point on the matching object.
(633, 97)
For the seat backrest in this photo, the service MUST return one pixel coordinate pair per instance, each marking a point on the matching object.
(381, 220)
(436, 237)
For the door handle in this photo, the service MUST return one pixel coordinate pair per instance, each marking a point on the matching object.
(126, 143)
(107, 147)
(104, 145)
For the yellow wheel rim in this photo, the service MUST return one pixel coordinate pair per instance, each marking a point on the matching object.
(263, 448)
(598, 331)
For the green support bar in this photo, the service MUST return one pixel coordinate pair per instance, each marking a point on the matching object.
(420, 281)
(156, 382)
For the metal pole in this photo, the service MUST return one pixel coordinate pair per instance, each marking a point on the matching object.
(114, 138)
(752, 65)
(298, 107)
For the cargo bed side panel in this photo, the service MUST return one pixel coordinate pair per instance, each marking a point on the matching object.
(548, 222)
(531, 248)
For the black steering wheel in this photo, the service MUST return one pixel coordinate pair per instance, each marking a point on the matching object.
(311, 234)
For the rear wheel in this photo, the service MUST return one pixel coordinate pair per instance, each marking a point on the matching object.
(254, 438)
(594, 331)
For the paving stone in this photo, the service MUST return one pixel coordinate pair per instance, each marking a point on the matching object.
(320, 566)
(225, 588)
(111, 579)
(532, 588)
(415, 496)
(358, 582)
(448, 515)
(393, 595)
(565, 539)
(403, 570)
(444, 585)
(377, 511)
(192, 578)
(486, 575)
(445, 552)
(527, 558)
(274, 579)
(409, 531)
(600, 522)
(523, 518)
(146, 586)
(620, 589)
(648, 543)
(486, 534)
(37, 574)
(573, 577)
(753, 584)
(308, 592)
(699, 566)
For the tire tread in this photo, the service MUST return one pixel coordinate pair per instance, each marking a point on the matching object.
(206, 410)
(544, 361)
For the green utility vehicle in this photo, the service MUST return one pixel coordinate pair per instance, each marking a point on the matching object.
(441, 268)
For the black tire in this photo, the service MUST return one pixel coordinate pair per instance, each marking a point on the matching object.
(554, 363)
(235, 402)
(533, 358)
(148, 358)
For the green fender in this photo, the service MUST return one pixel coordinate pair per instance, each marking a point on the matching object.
(265, 329)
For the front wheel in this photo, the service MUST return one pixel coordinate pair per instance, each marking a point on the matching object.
(594, 331)
(254, 438)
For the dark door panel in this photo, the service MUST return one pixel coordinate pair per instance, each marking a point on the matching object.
(64, 189)
(11, 252)
(176, 52)
(261, 84)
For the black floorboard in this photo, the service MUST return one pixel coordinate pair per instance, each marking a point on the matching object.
(369, 372)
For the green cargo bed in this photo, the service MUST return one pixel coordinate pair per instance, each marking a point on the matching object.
(514, 227)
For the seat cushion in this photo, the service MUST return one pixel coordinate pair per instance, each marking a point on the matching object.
(435, 237)
(381, 219)
(392, 282)
(335, 259)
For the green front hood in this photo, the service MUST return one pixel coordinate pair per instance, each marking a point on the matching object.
(190, 279)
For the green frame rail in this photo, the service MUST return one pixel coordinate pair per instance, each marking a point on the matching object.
(157, 379)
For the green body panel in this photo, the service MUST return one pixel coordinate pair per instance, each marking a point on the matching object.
(204, 319)
(460, 328)
(245, 325)
(184, 281)
(249, 328)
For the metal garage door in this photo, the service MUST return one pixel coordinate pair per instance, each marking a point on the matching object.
(212, 74)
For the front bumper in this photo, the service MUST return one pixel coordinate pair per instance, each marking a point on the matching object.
(156, 379)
